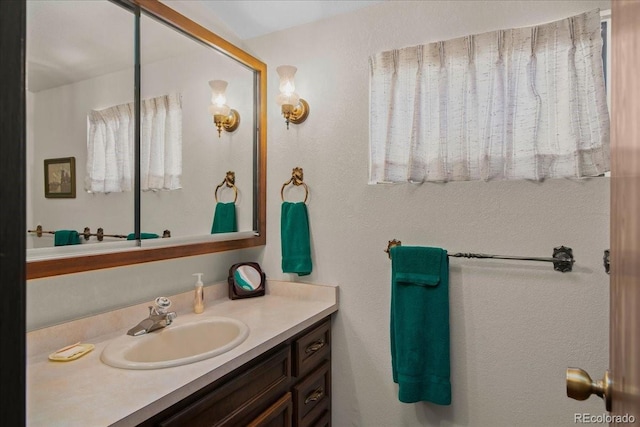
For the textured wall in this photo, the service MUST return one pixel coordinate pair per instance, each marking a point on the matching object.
(515, 326)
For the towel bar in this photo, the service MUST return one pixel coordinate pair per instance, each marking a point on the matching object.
(562, 257)
(87, 233)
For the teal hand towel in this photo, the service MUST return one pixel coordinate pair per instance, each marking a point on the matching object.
(224, 218)
(294, 235)
(420, 324)
(66, 237)
(132, 236)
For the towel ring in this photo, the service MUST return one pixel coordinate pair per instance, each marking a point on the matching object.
(229, 181)
(297, 177)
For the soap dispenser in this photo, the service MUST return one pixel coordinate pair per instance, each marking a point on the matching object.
(198, 301)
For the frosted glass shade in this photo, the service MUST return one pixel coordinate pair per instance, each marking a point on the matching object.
(218, 97)
(290, 99)
(223, 109)
(287, 85)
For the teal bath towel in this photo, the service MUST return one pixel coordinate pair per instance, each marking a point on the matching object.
(66, 237)
(294, 235)
(132, 236)
(224, 219)
(420, 324)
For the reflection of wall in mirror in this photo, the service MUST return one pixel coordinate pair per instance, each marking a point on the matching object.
(70, 70)
(206, 157)
(57, 125)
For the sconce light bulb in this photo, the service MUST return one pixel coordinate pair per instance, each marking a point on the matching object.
(219, 99)
(288, 88)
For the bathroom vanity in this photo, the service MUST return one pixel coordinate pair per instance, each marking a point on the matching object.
(288, 385)
(279, 376)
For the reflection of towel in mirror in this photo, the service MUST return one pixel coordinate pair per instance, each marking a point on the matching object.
(66, 237)
(420, 324)
(132, 236)
(296, 243)
(242, 281)
(224, 218)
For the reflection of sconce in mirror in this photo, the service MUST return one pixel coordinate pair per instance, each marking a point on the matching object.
(224, 117)
(294, 108)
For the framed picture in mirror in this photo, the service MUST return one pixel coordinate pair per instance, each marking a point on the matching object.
(246, 280)
(60, 178)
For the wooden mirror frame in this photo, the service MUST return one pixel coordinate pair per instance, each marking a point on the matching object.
(76, 264)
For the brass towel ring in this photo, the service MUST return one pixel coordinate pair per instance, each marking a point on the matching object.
(297, 177)
(229, 181)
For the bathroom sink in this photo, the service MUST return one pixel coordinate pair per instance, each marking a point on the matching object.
(177, 344)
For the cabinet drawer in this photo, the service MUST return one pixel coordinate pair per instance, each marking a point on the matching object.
(277, 415)
(312, 395)
(311, 348)
(323, 421)
(242, 397)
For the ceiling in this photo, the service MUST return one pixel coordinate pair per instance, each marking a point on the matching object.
(74, 40)
(254, 18)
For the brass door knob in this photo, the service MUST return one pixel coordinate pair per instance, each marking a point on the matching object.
(580, 386)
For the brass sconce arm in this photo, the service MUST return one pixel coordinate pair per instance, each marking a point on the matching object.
(295, 114)
(229, 123)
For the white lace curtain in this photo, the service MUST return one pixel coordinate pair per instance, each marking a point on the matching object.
(526, 103)
(110, 144)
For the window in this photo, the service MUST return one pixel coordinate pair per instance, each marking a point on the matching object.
(525, 103)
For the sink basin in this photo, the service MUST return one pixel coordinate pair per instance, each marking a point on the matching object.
(177, 344)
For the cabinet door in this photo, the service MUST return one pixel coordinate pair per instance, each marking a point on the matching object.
(241, 398)
(277, 415)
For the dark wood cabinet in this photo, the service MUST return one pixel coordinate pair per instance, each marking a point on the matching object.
(312, 396)
(311, 388)
(287, 386)
(279, 414)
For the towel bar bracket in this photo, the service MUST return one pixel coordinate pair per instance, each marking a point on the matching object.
(563, 256)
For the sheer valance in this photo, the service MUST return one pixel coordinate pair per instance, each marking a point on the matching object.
(111, 141)
(526, 103)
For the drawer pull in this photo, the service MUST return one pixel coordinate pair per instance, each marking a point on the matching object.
(313, 347)
(315, 396)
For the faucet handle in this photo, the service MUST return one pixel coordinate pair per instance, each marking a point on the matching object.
(171, 317)
(161, 305)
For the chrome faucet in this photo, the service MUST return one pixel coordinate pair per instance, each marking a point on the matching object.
(158, 318)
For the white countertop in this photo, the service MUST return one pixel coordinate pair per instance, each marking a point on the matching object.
(86, 392)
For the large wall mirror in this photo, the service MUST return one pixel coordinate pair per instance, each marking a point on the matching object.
(90, 64)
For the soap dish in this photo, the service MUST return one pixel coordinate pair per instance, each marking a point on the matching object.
(71, 352)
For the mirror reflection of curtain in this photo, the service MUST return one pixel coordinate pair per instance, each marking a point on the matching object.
(525, 103)
(161, 143)
(111, 140)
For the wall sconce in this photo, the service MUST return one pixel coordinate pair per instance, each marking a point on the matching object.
(224, 117)
(294, 108)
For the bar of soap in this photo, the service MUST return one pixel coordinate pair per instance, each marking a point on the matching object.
(71, 353)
